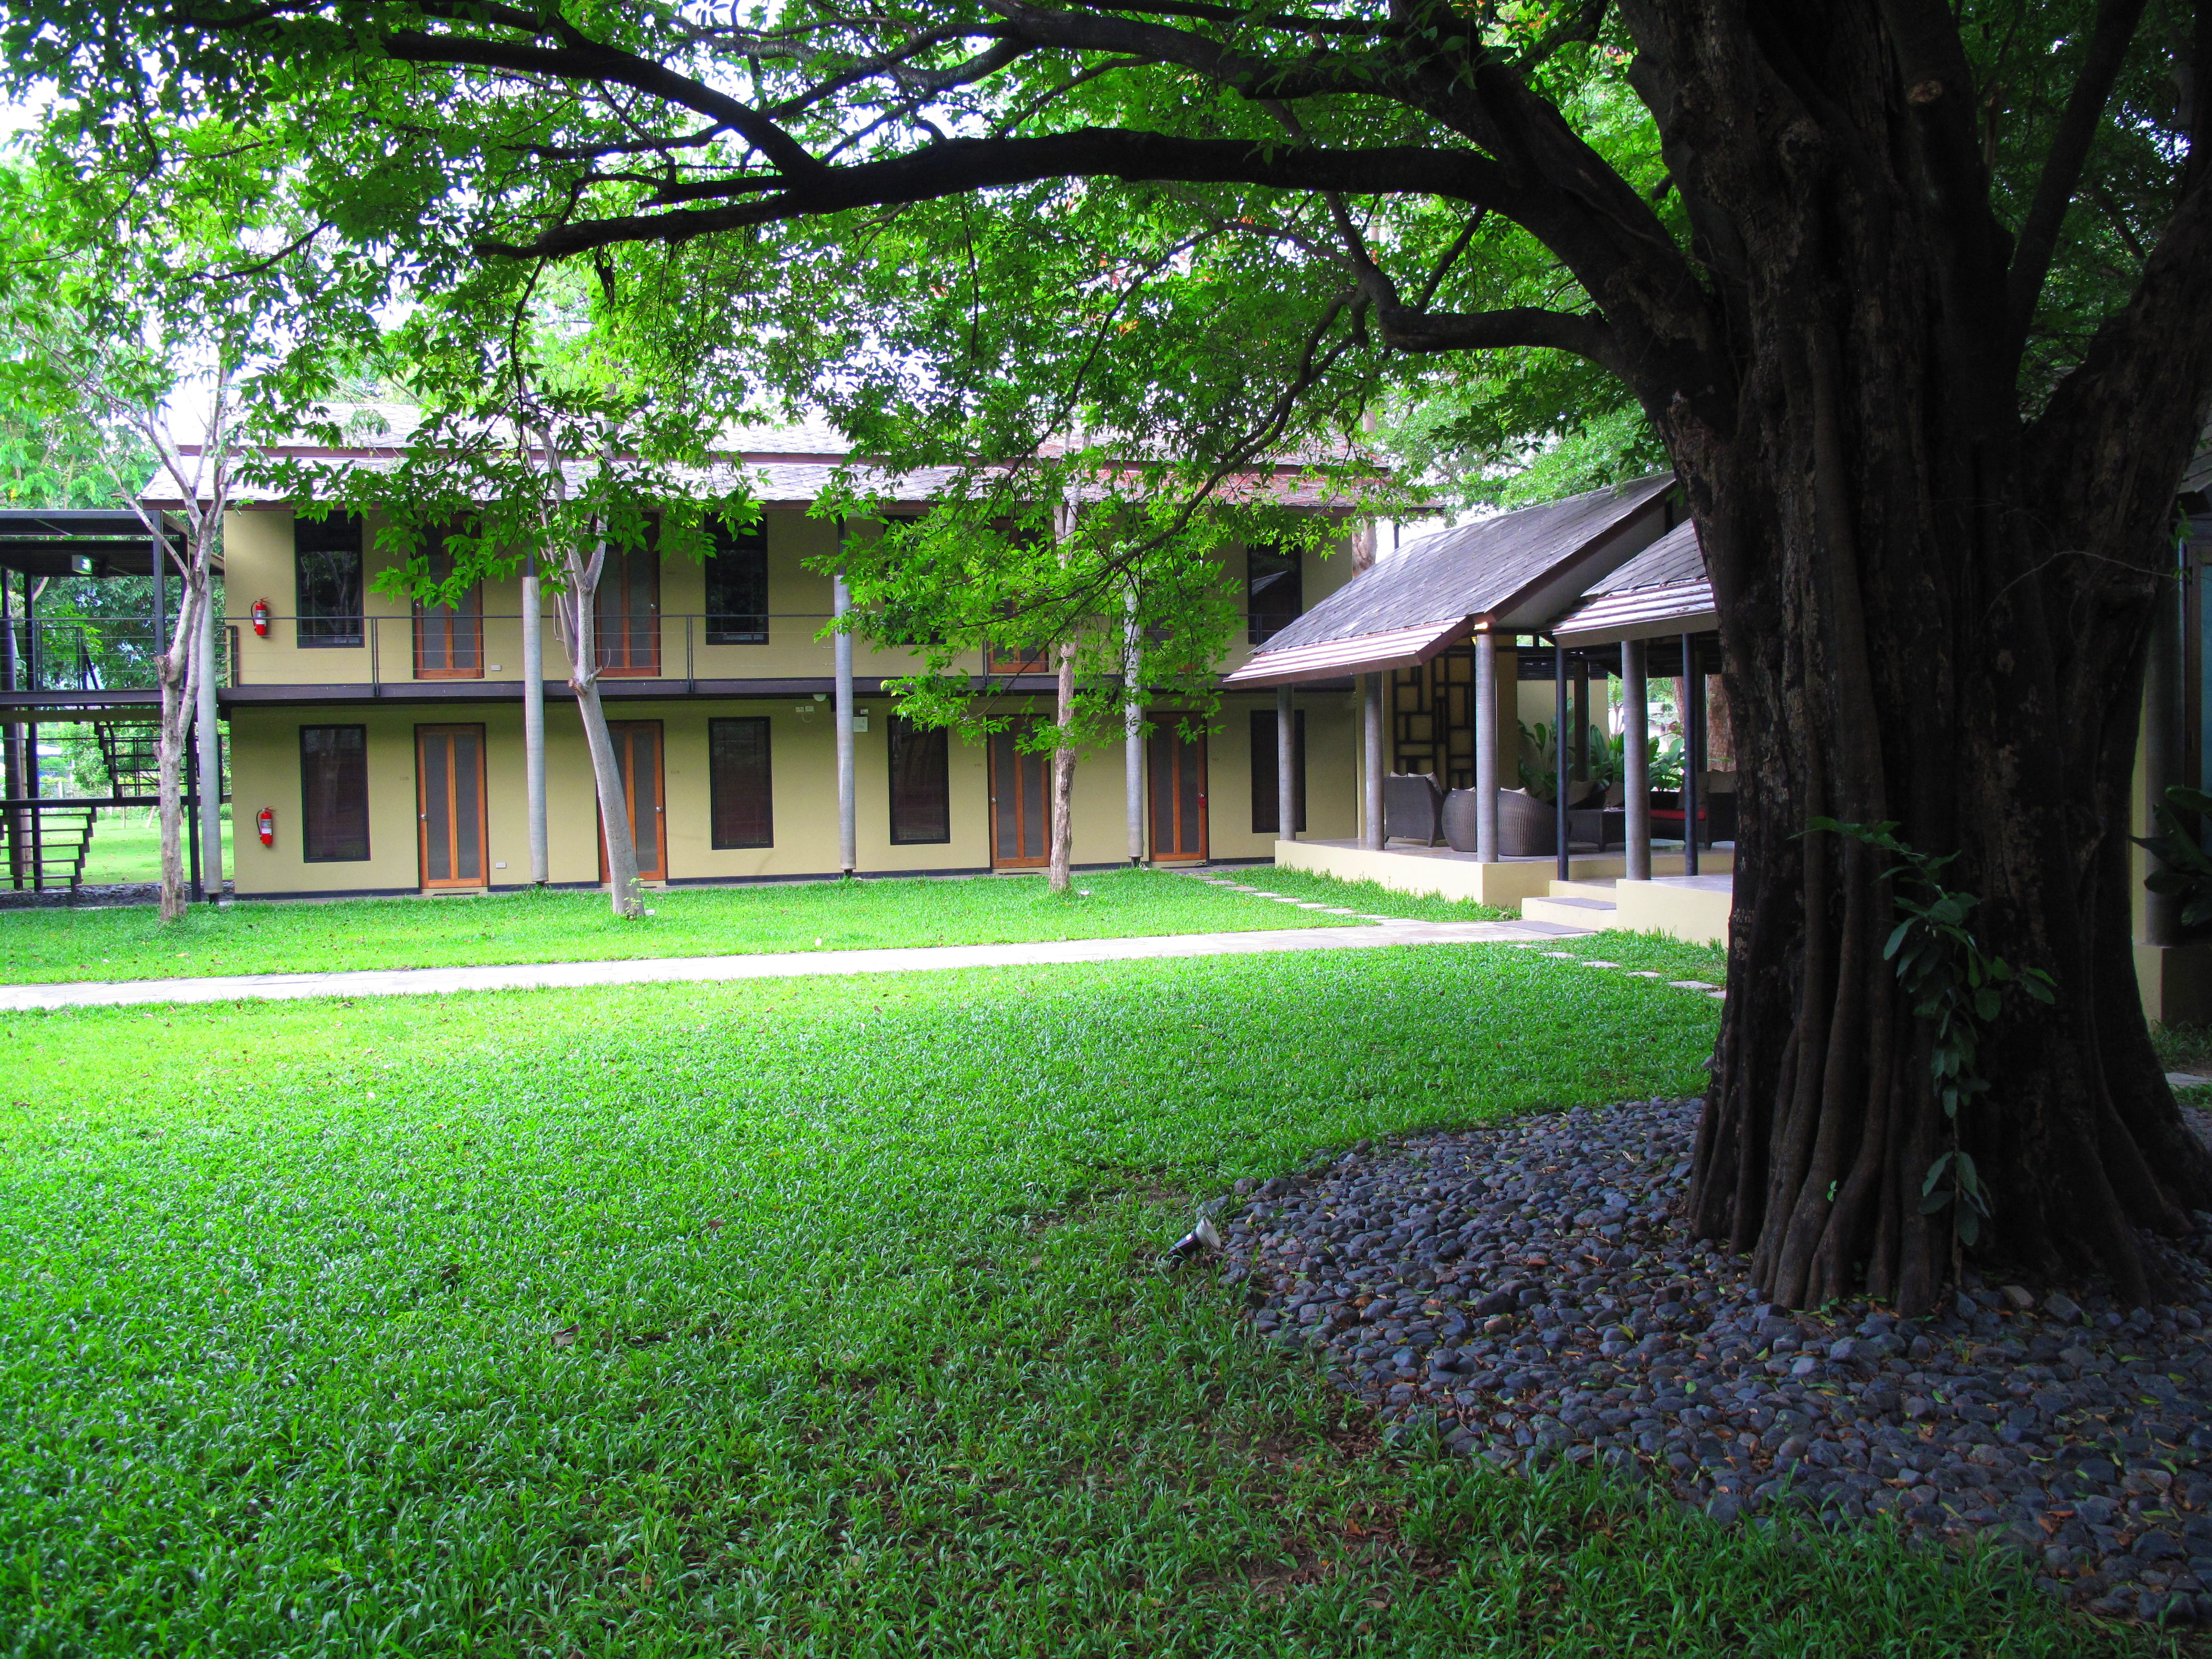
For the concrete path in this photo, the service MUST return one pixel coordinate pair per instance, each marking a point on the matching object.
(662, 970)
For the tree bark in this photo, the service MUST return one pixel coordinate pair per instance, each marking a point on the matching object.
(575, 614)
(1932, 614)
(176, 671)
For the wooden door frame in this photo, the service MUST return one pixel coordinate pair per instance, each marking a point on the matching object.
(1044, 858)
(422, 810)
(1163, 728)
(459, 625)
(651, 668)
(659, 801)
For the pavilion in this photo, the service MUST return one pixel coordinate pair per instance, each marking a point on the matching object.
(1451, 637)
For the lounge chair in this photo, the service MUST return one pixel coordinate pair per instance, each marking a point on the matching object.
(1412, 808)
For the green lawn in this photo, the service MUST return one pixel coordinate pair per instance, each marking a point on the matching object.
(128, 942)
(126, 846)
(809, 1318)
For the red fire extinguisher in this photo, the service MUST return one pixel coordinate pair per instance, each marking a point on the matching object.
(266, 823)
(261, 618)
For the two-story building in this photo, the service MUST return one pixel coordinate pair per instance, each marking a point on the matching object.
(387, 741)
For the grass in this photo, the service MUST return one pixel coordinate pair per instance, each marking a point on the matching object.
(126, 846)
(1367, 897)
(128, 942)
(808, 1318)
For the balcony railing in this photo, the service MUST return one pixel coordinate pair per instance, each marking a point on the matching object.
(76, 653)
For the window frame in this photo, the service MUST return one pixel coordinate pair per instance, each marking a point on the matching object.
(307, 855)
(715, 783)
(1290, 565)
(727, 543)
(899, 731)
(322, 540)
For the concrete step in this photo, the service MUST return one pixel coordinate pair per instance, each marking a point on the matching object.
(1600, 888)
(1571, 911)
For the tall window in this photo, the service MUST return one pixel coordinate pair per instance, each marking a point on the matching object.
(1275, 593)
(1267, 803)
(333, 793)
(326, 580)
(921, 783)
(737, 783)
(627, 609)
(737, 591)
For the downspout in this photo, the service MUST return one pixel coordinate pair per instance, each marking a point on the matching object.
(533, 716)
(841, 603)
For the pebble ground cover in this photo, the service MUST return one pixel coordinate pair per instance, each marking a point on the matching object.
(129, 942)
(799, 1318)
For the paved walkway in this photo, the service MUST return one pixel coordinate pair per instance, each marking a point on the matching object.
(662, 970)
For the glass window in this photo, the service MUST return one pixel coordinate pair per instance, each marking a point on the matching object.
(333, 793)
(1267, 803)
(738, 781)
(326, 580)
(921, 783)
(737, 589)
(1274, 594)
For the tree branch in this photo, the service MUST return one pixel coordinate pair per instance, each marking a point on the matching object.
(2114, 28)
(958, 166)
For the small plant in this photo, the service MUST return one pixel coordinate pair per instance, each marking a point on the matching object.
(1958, 989)
(2187, 874)
(1608, 761)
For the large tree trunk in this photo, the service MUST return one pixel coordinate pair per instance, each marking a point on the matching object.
(577, 618)
(1936, 615)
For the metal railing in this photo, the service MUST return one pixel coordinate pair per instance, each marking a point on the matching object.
(664, 647)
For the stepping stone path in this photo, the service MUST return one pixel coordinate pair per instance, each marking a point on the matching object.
(1528, 1290)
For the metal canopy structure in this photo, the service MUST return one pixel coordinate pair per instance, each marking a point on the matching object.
(1510, 573)
(94, 542)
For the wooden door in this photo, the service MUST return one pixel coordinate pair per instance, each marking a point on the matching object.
(449, 762)
(1021, 802)
(626, 612)
(1178, 791)
(638, 763)
(449, 638)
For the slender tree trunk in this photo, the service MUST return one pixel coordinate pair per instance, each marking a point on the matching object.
(175, 669)
(1932, 615)
(624, 893)
(1063, 778)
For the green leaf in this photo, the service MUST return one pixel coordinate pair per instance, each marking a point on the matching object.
(1935, 1174)
(1935, 1202)
(1966, 1225)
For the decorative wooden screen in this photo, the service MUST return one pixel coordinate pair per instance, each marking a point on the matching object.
(738, 781)
(333, 793)
(626, 610)
(450, 801)
(922, 784)
(1267, 801)
(1432, 718)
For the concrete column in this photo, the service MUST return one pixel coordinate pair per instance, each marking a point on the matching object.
(1485, 746)
(1693, 750)
(1636, 754)
(210, 753)
(1372, 759)
(2161, 741)
(1132, 728)
(11, 754)
(1286, 765)
(848, 834)
(533, 715)
(1582, 720)
(1561, 757)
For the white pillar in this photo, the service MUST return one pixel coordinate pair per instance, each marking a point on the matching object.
(210, 755)
(1636, 758)
(1286, 765)
(1485, 746)
(1373, 759)
(1132, 731)
(848, 837)
(533, 717)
